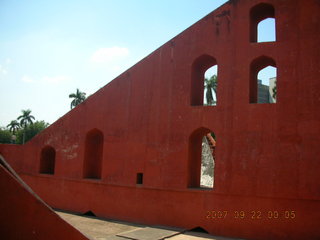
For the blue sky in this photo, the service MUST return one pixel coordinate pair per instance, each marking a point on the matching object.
(50, 48)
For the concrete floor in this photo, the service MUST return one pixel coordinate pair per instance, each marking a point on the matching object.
(101, 229)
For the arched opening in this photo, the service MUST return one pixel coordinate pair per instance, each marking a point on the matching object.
(47, 160)
(262, 23)
(204, 80)
(93, 154)
(267, 85)
(202, 147)
(263, 80)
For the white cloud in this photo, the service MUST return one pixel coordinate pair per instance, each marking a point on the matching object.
(27, 79)
(103, 55)
(45, 79)
(4, 68)
(3, 71)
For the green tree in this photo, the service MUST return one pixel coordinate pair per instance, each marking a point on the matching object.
(30, 131)
(210, 86)
(78, 98)
(5, 136)
(25, 119)
(274, 90)
(13, 126)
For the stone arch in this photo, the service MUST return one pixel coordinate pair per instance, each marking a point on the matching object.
(199, 67)
(196, 141)
(92, 166)
(256, 65)
(259, 13)
(47, 160)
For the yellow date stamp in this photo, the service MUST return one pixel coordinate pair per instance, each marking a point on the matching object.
(254, 214)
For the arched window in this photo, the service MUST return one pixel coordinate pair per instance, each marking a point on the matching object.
(204, 81)
(202, 145)
(93, 154)
(47, 160)
(262, 23)
(263, 80)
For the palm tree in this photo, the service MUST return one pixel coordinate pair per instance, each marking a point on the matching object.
(25, 119)
(13, 126)
(211, 86)
(78, 98)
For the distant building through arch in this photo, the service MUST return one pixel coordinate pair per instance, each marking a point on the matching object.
(259, 93)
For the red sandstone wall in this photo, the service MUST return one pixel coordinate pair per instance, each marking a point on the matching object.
(23, 216)
(14, 153)
(267, 155)
(248, 217)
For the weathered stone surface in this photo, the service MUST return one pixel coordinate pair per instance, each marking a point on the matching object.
(132, 150)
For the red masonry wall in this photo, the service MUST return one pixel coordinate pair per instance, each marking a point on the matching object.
(24, 216)
(267, 181)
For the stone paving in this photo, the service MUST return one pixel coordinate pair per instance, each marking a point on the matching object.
(101, 229)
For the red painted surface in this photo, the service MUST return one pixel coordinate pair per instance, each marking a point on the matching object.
(25, 216)
(267, 155)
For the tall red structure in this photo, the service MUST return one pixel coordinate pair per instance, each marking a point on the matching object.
(131, 150)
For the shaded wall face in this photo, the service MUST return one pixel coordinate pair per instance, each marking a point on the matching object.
(194, 161)
(47, 160)
(24, 216)
(93, 155)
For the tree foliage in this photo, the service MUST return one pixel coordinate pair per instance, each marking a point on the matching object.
(13, 126)
(30, 131)
(26, 118)
(5, 135)
(23, 132)
(78, 98)
(210, 86)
